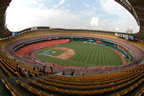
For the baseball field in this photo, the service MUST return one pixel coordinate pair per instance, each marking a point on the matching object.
(79, 54)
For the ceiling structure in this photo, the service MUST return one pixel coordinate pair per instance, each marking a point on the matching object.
(135, 7)
(4, 32)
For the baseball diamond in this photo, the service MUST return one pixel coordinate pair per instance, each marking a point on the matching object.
(75, 51)
(81, 54)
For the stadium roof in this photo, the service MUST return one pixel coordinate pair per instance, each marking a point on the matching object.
(136, 8)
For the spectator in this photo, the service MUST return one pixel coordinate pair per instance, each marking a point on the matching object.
(44, 69)
(51, 69)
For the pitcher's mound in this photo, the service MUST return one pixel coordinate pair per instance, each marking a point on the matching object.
(68, 53)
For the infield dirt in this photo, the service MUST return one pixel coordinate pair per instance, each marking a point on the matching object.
(68, 53)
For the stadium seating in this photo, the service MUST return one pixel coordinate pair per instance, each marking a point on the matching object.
(123, 83)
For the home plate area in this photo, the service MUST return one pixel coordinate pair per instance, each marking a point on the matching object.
(58, 52)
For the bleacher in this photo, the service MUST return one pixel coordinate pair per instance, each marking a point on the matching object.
(113, 84)
(128, 82)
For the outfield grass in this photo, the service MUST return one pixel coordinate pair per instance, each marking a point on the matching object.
(85, 55)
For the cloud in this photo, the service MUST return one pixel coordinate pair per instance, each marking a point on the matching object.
(86, 4)
(117, 29)
(61, 2)
(94, 21)
(124, 18)
(28, 4)
(27, 13)
(111, 7)
(18, 19)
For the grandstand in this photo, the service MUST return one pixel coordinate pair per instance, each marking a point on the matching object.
(22, 74)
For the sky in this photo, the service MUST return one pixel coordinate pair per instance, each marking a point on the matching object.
(74, 14)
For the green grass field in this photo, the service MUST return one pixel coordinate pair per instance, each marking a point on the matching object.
(85, 55)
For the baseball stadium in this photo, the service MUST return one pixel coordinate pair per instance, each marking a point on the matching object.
(44, 61)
